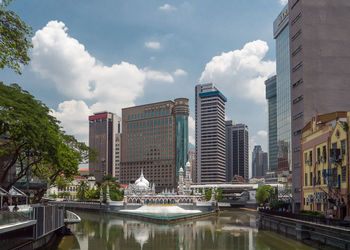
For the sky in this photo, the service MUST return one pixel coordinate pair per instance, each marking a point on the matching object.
(91, 56)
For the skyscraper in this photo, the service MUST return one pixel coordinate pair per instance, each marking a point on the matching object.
(210, 134)
(192, 160)
(103, 128)
(154, 138)
(237, 150)
(259, 162)
(272, 122)
(281, 35)
(319, 66)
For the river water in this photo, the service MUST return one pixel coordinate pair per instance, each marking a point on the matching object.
(234, 229)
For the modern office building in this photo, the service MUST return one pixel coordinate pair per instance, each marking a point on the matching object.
(103, 128)
(192, 160)
(259, 162)
(283, 104)
(319, 67)
(271, 97)
(237, 151)
(118, 138)
(210, 134)
(154, 139)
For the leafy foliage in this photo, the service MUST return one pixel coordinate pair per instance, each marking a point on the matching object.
(208, 194)
(15, 39)
(264, 193)
(277, 204)
(82, 191)
(219, 194)
(30, 138)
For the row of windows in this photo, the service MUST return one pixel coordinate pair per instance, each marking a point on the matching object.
(149, 114)
(322, 177)
(150, 123)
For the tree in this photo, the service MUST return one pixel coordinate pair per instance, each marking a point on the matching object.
(219, 196)
(82, 191)
(32, 139)
(264, 193)
(15, 39)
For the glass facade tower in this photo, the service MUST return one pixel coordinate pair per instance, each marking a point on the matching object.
(271, 97)
(281, 34)
(181, 111)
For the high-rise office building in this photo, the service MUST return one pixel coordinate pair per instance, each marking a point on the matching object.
(271, 97)
(154, 139)
(319, 66)
(259, 162)
(237, 150)
(192, 160)
(210, 134)
(103, 128)
(117, 155)
(281, 35)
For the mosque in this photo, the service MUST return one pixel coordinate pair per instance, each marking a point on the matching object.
(143, 193)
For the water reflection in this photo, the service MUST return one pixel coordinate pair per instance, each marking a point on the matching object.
(231, 230)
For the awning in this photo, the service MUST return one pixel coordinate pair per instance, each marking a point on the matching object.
(15, 192)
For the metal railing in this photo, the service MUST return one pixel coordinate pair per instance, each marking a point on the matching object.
(308, 218)
(71, 218)
(49, 219)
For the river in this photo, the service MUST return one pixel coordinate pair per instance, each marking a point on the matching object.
(234, 229)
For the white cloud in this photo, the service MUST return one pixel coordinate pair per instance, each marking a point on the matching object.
(167, 7)
(283, 2)
(242, 72)
(191, 130)
(73, 116)
(262, 133)
(152, 45)
(180, 72)
(76, 74)
(158, 76)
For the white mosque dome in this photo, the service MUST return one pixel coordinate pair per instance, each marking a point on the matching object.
(188, 164)
(141, 182)
(181, 170)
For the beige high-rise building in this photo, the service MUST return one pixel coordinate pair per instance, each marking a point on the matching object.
(155, 140)
(319, 67)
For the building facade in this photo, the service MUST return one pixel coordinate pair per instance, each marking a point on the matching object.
(259, 162)
(118, 141)
(192, 160)
(149, 141)
(210, 134)
(281, 35)
(319, 66)
(103, 128)
(271, 97)
(325, 165)
(237, 151)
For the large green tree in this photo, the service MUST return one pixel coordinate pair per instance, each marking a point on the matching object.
(264, 193)
(15, 39)
(30, 138)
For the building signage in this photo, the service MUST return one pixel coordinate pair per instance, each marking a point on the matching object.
(283, 16)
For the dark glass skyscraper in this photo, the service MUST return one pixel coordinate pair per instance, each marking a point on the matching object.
(181, 112)
(271, 97)
(281, 34)
(237, 150)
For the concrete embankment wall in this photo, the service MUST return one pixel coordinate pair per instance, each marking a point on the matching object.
(317, 235)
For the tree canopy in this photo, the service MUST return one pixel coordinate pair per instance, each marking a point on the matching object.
(264, 193)
(15, 39)
(30, 138)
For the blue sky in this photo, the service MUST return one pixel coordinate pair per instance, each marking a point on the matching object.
(106, 55)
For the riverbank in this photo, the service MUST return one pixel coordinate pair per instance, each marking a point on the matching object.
(311, 233)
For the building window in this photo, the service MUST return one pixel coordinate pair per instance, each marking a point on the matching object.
(296, 18)
(343, 174)
(298, 132)
(300, 81)
(318, 206)
(324, 149)
(305, 179)
(343, 147)
(318, 177)
(297, 50)
(297, 116)
(296, 35)
(298, 66)
(298, 99)
(296, 149)
(311, 179)
(310, 157)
